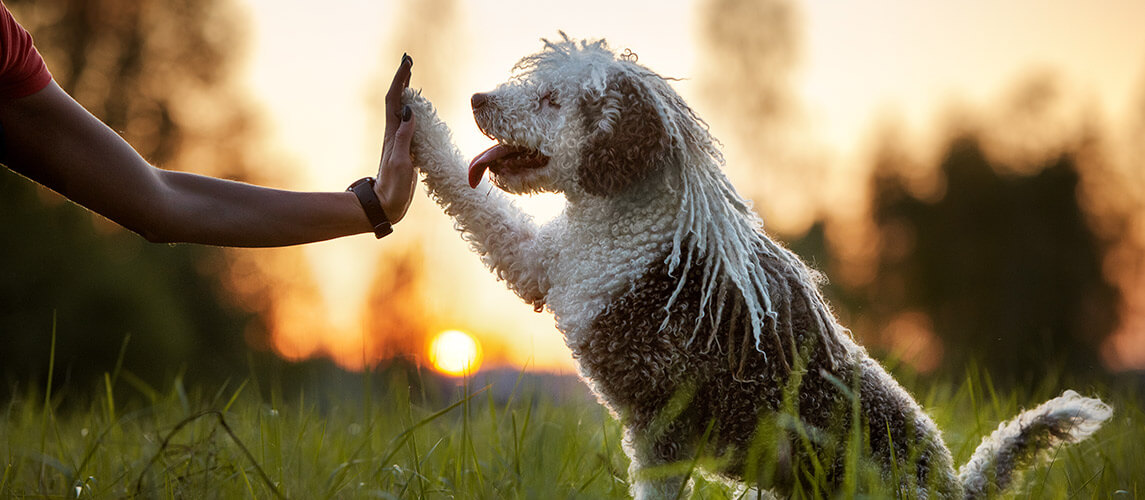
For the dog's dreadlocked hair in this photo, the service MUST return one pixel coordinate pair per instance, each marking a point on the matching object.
(716, 232)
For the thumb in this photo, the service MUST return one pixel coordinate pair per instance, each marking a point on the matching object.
(396, 175)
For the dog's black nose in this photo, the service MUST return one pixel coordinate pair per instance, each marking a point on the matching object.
(478, 100)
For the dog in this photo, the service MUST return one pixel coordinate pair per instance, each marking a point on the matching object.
(702, 335)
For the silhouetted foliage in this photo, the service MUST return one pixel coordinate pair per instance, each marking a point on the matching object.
(140, 67)
(155, 72)
(1004, 265)
(100, 286)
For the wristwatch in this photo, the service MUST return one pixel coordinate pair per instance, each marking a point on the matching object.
(364, 189)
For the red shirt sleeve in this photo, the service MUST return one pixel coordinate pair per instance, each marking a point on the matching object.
(22, 70)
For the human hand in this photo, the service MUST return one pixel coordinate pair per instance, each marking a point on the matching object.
(396, 177)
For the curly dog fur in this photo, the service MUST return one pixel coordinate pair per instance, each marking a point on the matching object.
(702, 335)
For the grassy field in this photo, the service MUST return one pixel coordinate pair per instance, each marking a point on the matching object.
(393, 438)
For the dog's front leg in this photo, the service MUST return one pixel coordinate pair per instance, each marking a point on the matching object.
(659, 465)
(503, 235)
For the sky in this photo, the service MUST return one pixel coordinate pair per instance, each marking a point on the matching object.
(317, 74)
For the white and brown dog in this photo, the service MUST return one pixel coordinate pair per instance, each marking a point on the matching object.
(700, 333)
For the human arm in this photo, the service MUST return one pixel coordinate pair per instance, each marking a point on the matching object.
(53, 140)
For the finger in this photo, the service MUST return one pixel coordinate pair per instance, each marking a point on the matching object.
(394, 95)
(403, 136)
(396, 154)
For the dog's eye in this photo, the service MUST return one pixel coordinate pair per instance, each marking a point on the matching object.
(550, 100)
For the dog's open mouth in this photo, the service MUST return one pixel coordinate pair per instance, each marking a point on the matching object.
(501, 160)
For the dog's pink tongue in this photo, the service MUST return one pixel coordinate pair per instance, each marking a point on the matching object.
(481, 162)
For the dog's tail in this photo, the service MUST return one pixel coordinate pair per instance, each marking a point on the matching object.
(1028, 438)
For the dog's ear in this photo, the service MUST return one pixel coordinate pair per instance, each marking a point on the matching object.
(627, 137)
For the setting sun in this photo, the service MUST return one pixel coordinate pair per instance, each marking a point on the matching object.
(455, 353)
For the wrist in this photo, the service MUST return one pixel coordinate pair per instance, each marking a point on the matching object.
(366, 191)
(394, 203)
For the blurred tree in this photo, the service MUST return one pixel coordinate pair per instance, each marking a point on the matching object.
(751, 48)
(749, 51)
(158, 73)
(1004, 266)
(396, 323)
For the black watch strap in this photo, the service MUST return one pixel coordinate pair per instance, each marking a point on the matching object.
(364, 189)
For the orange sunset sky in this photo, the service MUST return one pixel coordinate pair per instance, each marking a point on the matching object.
(317, 70)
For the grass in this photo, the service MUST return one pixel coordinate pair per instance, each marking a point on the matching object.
(395, 441)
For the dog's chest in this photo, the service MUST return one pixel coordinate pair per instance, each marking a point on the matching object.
(594, 262)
